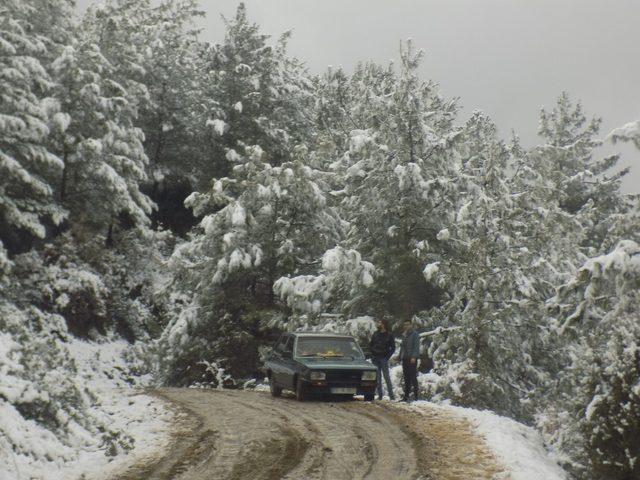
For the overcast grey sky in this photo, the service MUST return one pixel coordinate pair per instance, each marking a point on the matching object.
(505, 57)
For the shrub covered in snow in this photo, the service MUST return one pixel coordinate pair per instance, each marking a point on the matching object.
(47, 411)
(62, 284)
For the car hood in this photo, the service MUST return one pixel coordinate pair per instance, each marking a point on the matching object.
(335, 363)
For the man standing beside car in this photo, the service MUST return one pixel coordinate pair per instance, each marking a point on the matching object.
(382, 346)
(409, 353)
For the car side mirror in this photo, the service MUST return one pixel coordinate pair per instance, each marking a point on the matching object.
(287, 354)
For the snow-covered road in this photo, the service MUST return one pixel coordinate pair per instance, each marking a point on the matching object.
(250, 435)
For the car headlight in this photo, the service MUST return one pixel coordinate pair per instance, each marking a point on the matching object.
(368, 376)
(318, 375)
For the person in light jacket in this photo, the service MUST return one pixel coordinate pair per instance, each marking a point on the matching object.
(409, 353)
(382, 346)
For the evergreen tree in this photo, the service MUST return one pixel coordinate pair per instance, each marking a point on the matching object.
(570, 173)
(597, 398)
(102, 150)
(273, 222)
(28, 116)
(170, 66)
(266, 214)
(253, 93)
(398, 189)
(503, 257)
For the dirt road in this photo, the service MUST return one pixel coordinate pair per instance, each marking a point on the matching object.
(236, 435)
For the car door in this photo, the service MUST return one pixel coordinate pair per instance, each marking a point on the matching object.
(274, 362)
(288, 364)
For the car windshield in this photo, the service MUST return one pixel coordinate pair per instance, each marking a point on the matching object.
(327, 347)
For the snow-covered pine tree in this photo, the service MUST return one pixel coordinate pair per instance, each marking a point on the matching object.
(274, 221)
(594, 415)
(171, 67)
(478, 350)
(568, 170)
(398, 169)
(28, 116)
(254, 93)
(502, 258)
(102, 149)
(266, 218)
(172, 76)
(99, 82)
(590, 412)
(514, 239)
(175, 70)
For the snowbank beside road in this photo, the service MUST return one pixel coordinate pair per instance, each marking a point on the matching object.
(137, 424)
(519, 448)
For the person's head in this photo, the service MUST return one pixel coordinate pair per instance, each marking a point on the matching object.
(383, 325)
(407, 325)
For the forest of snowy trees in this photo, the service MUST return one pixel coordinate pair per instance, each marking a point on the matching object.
(198, 199)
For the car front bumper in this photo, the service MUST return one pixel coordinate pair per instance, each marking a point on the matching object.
(327, 388)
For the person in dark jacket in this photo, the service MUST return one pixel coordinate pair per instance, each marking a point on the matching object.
(382, 346)
(409, 353)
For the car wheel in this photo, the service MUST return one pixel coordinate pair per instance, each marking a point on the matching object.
(300, 393)
(368, 397)
(275, 390)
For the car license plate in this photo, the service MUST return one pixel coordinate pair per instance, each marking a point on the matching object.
(351, 391)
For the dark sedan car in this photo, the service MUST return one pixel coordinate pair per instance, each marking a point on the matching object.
(323, 363)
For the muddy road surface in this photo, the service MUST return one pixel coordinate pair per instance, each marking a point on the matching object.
(237, 435)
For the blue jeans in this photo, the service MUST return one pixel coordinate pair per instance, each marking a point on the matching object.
(383, 369)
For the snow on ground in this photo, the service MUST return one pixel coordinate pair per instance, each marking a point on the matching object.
(103, 370)
(519, 448)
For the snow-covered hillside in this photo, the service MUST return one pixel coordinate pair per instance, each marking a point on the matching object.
(137, 424)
